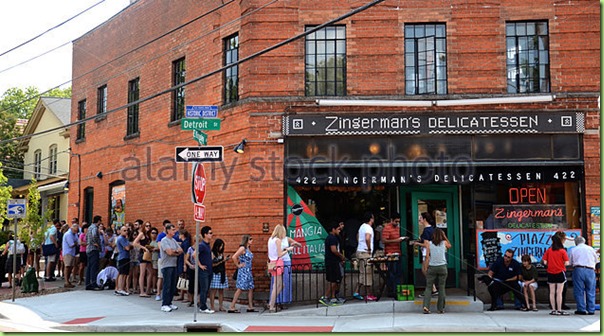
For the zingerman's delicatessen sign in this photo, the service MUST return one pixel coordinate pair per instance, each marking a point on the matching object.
(325, 164)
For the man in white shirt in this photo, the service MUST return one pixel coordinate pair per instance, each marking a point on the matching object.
(584, 258)
(364, 252)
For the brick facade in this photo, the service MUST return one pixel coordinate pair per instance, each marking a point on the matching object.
(240, 197)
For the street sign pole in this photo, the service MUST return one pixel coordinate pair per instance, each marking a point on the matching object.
(14, 284)
(196, 291)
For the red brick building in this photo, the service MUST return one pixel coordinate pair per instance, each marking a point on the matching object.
(459, 109)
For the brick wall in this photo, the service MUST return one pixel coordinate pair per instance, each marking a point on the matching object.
(238, 200)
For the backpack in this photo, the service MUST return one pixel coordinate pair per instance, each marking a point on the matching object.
(20, 247)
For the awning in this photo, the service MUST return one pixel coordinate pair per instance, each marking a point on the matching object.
(53, 187)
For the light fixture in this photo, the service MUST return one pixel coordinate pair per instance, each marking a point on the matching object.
(240, 148)
(99, 175)
(66, 186)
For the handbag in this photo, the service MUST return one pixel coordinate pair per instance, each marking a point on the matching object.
(49, 249)
(235, 274)
(147, 255)
(270, 266)
(183, 283)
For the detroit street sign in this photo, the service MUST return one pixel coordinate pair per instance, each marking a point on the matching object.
(199, 154)
(201, 137)
(201, 111)
(200, 124)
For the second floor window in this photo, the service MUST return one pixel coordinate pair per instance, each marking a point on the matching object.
(231, 74)
(325, 64)
(527, 58)
(37, 164)
(178, 95)
(81, 116)
(101, 103)
(52, 160)
(133, 95)
(425, 59)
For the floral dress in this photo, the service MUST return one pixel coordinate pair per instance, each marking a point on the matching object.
(245, 279)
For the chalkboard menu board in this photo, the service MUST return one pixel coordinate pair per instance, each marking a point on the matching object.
(492, 243)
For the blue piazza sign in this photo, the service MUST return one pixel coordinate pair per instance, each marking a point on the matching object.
(201, 111)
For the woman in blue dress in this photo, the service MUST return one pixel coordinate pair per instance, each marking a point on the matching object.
(245, 280)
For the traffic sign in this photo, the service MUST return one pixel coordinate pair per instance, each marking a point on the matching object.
(199, 154)
(198, 183)
(201, 137)
(199, 212)
(201, 111)
(200, 124)
(15, 208)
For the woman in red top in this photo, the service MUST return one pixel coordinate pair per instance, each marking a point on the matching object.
(556, 260)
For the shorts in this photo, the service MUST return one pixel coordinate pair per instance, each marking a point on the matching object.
(9, 264)
(556, 278)
(83, 259)
(365, 269)
(160, 275)
(333, 273)
(533, 284)
(68, 260)
(123, 266)
(51, 258)
(278, 270)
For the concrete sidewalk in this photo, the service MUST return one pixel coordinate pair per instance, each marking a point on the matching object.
(104, 312)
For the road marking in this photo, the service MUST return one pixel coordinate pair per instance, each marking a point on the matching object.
(273, 328)
(84, 320)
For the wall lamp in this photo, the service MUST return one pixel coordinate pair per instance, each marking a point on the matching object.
(240, 148)
(99, 175)
(66, 186)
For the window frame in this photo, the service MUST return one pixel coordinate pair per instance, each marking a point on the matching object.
(37, 164)
(178, 95)
(231, 55)
(514, 64)
(132, 116)
(101, 103)
(436, 33)
(81, 132)
(52, 159)
(321, 40)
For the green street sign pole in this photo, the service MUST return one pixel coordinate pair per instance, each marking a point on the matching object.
(205, 124)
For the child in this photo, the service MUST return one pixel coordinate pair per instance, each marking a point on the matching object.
(528, 282)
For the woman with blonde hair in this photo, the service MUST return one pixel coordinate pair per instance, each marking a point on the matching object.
(275, 256)
(245, 280)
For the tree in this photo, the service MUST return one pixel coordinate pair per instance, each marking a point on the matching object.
(5, 194)
(34, 222)
(15, 104)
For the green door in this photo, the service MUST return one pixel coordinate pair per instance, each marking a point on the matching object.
(443, 207)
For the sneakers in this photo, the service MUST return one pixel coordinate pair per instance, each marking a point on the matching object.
(121, 293)
(371, 298)
(166, 309)
(341, 300)
(206, 311)
(334, 302)
(157, 298)
(173, 307)
(357, 296)
(323, 300)
(329, 302)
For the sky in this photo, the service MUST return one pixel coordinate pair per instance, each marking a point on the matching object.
(21, 20)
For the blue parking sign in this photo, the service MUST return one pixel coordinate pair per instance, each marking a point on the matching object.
(15, 208)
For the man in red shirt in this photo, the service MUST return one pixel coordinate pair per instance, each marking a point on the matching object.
(391, 237)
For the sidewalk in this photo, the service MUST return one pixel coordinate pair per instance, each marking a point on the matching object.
(81, 310)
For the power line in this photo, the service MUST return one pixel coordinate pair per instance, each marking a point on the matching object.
(211, 73)
(50, 29)
(128, 52)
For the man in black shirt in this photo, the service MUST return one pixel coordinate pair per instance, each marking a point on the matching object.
(333, 263)
(504, 272)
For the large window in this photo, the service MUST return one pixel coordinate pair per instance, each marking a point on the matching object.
(37, 164)
(101, 103)
(52, 160)
(231, 74)
(178, 95)
(527, 57)
(81, 116)
(425, 59)
(325, 64)
(133, 95)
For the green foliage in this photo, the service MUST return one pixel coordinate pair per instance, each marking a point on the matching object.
(33, 221)
(5, 194)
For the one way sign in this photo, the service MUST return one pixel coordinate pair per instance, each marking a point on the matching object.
(199, 154)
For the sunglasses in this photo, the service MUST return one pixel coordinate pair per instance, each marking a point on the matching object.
(147, 225)
(153, 232)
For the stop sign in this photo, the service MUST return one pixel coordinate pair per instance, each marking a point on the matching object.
(198, 185)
